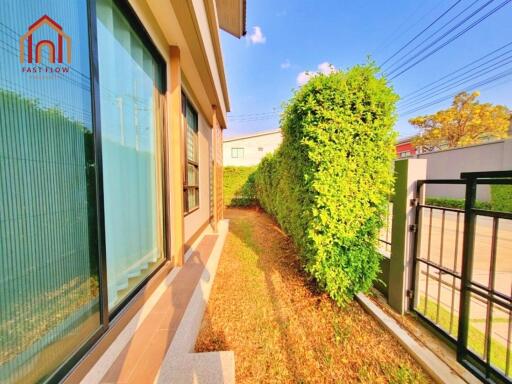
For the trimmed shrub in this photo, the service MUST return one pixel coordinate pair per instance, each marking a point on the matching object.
(501, 198)
(328, 183)
(448, 202)
(239, 186)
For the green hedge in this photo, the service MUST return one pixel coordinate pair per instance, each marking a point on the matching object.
(327, 185)
(501, 200)
(239, 186)
(501, 197)
(448, 202)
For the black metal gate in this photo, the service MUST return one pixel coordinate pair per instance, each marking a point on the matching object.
(463, 275)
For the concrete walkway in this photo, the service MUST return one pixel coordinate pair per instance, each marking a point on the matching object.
(157, 345)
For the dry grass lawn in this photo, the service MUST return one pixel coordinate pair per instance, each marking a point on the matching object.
(281, 329)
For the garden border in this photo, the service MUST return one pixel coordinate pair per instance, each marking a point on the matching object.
(430, 362)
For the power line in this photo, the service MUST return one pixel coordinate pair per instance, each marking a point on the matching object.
(255, 119)
(496, 85)
(452, 38)
(8, 48)
(253, 114)
(426, 86)
(16, 36)
(421, 32)
(410, 19)
(473, 86)
(11, 50)
(400, 61)
(257, 116)
(451, 84)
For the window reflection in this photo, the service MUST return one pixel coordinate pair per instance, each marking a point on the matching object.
(48, 246)
(129, 81)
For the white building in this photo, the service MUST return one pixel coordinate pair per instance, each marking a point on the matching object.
(247, 150)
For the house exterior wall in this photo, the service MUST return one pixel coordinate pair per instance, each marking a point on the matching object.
(169, 23)
(254, 148)
(186, 36)
(450, 163)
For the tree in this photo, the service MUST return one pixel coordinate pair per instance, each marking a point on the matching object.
(466, 122)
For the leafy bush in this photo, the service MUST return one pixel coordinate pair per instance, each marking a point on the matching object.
(328, 184)
(239, 186)
(501, 198)
(448, 202)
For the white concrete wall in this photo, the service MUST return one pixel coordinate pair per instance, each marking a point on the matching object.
(450, 163)
(255, 148)
(196, 219)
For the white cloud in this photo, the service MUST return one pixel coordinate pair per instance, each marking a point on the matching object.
(286, 64)
(256, 37)
(303, 77)
(324, 68)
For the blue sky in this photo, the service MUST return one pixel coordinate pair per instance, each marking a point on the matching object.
(288, 37)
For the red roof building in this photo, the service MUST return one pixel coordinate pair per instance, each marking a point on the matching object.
(405, 147)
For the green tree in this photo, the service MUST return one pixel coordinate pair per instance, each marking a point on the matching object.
(466, 122)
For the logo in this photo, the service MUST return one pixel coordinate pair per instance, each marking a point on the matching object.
(58, 48)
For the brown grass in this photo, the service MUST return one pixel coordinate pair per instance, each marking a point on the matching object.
(281, 328)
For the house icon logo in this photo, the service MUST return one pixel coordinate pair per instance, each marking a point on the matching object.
(54, 54)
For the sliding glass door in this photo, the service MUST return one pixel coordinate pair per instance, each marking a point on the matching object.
(130, 82)
(57, 286)
(49, 279)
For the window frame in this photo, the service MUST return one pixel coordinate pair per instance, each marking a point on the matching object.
(69, 362)
(187, 105)
(139, 28)
(238, 150)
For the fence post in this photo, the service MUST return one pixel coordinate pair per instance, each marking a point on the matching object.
(407, 173)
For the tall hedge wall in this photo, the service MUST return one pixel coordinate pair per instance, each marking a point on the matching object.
(327, 185)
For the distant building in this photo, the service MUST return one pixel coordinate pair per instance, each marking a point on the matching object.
(405, 147)
(247, 150)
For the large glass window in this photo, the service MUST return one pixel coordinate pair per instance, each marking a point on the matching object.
(191, 187)
(130, 82)
(49, 290)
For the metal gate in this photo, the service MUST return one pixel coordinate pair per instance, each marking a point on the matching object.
(463, 275)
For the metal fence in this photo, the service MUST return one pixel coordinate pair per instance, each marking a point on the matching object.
(463, 276)
(385, 232)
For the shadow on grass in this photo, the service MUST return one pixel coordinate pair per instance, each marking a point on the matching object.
(276, 255)
(216, 339)
(315, 340)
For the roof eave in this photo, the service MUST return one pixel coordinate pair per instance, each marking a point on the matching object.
(232, 16)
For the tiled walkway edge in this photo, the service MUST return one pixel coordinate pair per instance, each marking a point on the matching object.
(181, 364)
(157, 344)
